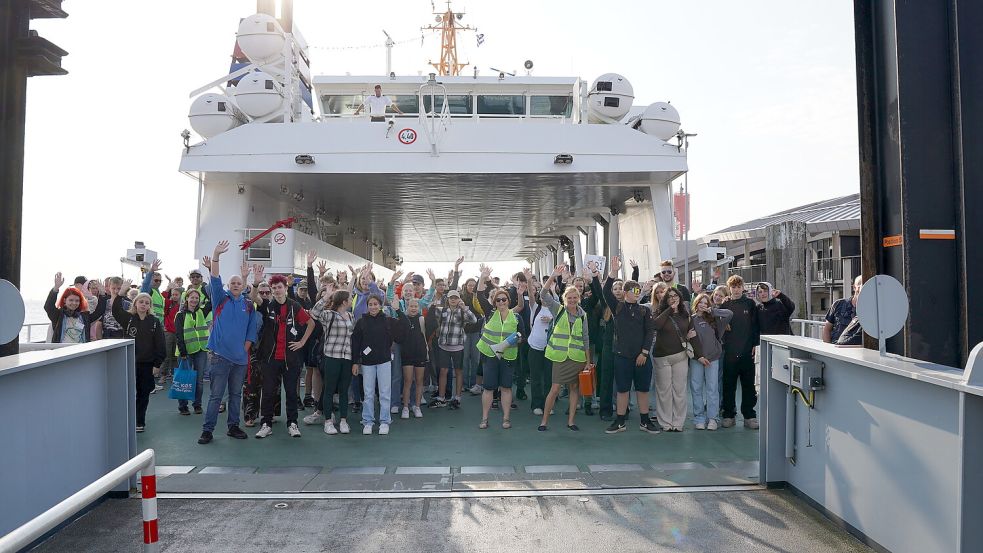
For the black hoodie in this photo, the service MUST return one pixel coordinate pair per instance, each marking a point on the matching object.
(377, 333)
(775, 315)
(147, 333)
(744, 333)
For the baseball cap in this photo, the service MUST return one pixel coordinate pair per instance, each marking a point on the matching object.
(80, 280)
(418, 279)
(303, 284)
(453, 294)
(194, 272)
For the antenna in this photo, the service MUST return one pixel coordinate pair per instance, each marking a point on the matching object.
(389, 52)
(447, 24)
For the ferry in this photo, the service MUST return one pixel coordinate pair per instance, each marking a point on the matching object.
(495, 168)
(489, 167)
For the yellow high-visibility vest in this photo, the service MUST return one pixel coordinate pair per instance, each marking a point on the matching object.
(566, 344)
(496, 331)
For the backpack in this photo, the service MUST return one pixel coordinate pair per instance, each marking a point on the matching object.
(250, 308)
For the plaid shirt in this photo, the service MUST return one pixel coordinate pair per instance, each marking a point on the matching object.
(337, 342)
(451, 325)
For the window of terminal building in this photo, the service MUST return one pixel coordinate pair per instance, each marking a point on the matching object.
(556, 106)
(513, 105)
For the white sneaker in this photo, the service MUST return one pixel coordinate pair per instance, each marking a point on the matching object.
(712, 425)
(477, 389)
(383, 429)
(405, 414)
(700, 426)
(264, 431)
(293, 430)
(314, 418)
(394, 410)
(417, 412)
(367, 430)
(538, 412)
(329, 428)
(343, 427)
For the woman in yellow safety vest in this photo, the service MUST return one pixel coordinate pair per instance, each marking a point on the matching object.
(191, 326)
(568, 347)
(498, 356)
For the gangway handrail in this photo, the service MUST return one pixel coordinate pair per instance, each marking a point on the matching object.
(43, 523)
(809, 322)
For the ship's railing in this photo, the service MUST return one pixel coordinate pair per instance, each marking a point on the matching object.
(144, 463)
(28, 335)
(809, 328)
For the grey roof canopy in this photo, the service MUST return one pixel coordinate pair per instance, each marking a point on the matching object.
(836, 214)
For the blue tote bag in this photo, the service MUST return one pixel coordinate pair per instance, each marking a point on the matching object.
(183, 386)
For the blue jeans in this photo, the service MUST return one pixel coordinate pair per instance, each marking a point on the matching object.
(704, 385)
(472, 358)
(397, 375)
(199, 362)
(370, 375)
(225, 374)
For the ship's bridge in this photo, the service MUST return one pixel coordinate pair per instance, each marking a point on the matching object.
(538, 99)
(504, 168)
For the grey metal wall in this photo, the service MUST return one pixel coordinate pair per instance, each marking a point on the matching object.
(884, 447)
(68, 417)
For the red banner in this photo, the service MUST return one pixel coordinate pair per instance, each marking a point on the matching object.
(680, 212)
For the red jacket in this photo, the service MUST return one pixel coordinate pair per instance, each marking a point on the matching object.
(170, 311)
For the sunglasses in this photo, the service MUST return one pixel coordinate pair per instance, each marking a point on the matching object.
(667, 272)
(501, 300)
(265, 293)
(634, 290)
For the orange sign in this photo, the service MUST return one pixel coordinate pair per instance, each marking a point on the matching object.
(891, 241)
(936, 234)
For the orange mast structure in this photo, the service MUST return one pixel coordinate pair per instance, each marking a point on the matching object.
(447, 24)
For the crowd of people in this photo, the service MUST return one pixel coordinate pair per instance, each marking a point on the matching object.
(361, 347)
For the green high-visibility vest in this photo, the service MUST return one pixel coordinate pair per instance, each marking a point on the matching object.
(496, 331)
(566, 344)
(157, 303)
(195, 332)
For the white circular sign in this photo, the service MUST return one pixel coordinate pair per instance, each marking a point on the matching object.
(407, 136)
(12, 305)
(882, 307)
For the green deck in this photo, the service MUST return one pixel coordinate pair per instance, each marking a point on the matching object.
(446, 442)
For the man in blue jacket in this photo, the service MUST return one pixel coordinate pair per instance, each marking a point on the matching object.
(233, 334)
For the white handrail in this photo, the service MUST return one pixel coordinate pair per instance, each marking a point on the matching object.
(809, 322)
(41, 524)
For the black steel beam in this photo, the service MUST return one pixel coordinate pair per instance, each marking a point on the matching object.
(913, 110)
(14, 24)
(22, 54)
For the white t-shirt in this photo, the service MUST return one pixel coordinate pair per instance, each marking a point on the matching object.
(377, 105)
(540, 324)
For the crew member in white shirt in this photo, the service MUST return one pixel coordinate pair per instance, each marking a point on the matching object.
(377, 106)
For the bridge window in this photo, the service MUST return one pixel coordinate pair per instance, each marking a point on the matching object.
(457, 104)
(501, 105)
(340, 104)
(407, 103)
(555, 106)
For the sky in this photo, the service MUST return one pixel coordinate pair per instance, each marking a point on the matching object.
(768, 86)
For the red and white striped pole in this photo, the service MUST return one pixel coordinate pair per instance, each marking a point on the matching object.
(148, 488)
